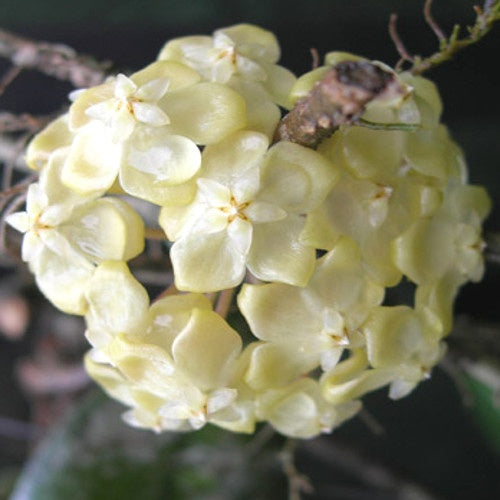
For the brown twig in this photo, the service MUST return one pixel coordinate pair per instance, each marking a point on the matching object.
(224, 302)
(57, 60)
(21, 187)
(9, 152)
(10, 122)
(339, 98)
(448, 46)
(152, 233)
(431, 22)
(365, 470)
(297, 483)
(398, 43)
(315, 57)
(8, 77)
(10, 165)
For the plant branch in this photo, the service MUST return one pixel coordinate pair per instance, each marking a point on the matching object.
(365, 470)
(486, 17)
(398, 43)
(56, 60)
(224, 302)
(339, 98)
(297, 483)
(431, 22)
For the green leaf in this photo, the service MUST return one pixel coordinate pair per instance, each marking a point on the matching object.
(486, 410)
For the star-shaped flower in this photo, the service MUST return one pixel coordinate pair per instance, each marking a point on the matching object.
(248, 212)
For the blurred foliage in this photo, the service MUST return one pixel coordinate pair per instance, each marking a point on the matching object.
(93, 455)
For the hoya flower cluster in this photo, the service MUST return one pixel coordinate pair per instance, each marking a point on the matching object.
(310, 240)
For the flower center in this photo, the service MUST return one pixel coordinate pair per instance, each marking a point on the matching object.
(234, 210)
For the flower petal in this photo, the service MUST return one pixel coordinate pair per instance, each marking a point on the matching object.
(93, 160)
(63, 280)
(296, 178)
(227, 161)
(204, 112)
(154, 160)
(277, 254)
(207, 262)
(206, 350)
(117, 302)
(240, 233)
(150, 114)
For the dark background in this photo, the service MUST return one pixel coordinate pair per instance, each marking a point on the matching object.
(429, 436)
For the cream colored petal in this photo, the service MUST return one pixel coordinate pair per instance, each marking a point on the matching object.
(110, 379)
(272, 366)
(168, 316)
(262, 114)
(150, 175)
(260, 211)
(250, 69)
(220, 399)
(297, 410)
(93, 161)
(19, 221)
(30, 249)
(277, 254)
(335, 57)
(213, 192)
(234, 161)
(212, 220)
(159, 159)
(366, 381)
(147, 365)
(330, 358)
(153, 90)
(222, 69)
(124, 86)
(102, 110)
(340, 282)
(393, 335)
(36, 200)
(54, 136)
(304, 84)
(253, 41)
(296, 178)
(469, 204)
(166, 75)
(374, 154)
(206, 350)
(180, 48)
(245, 186)
(205, 112)
(426, 96)
(438, 298)
(150, 114)
(56, 241)
(278, 313)
(122, 124)
(117, 301)
(426, 251)
(64, 281)
(57, 193)
(177, 221)
(240, 233)
(106, 229)
(77, 112)
(207, 262)
(159, 195)
(429, 152)
(279, 83)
